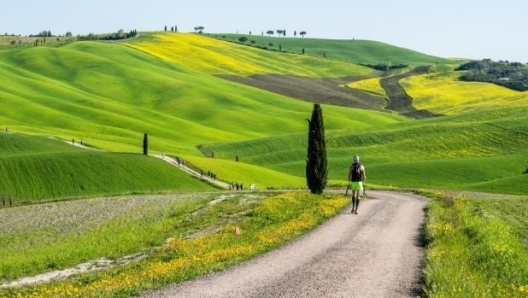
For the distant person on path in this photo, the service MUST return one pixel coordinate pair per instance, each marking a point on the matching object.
(356, 177)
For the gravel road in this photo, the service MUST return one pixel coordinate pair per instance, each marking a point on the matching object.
(376, 253)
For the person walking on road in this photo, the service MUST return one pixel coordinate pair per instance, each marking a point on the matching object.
(356, 177)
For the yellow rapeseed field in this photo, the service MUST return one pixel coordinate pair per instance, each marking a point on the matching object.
(197, 52)
(369, 85)
(220, 57)
(444, 93)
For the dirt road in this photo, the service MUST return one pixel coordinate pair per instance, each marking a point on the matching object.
(377, 253)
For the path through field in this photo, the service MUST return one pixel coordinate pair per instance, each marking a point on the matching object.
(377, 253)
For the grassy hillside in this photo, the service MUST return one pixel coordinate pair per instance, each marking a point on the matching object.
(164, 84)
(218, 57)
(37, 168)
(352, 50)
(474, 151)
(109, 95)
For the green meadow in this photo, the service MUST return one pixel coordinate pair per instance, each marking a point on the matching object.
(470, 152)
(108, 94)
(37, 169)
(169, 85)
(350, 50)
(476, 246)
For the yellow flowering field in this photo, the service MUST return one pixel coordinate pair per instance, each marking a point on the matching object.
(369, 85)
(444, 93)
(219, 57)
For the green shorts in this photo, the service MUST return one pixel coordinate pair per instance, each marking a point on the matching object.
(356, 185)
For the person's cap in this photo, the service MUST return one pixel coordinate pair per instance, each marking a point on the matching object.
(356, 159)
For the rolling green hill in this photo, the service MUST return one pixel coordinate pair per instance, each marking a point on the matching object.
(108, 94)
(352, 50)
(35, 168)
(219, 57)
(473, 151)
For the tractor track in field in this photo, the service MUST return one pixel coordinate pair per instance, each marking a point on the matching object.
(329, 91)
(399, 100)
(334, 92)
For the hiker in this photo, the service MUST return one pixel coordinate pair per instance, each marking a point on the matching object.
(356, 177)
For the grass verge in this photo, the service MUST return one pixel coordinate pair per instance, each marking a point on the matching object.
(474, 250)
(265, 225)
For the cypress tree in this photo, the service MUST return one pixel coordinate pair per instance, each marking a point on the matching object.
(145, 144)
(316, 162)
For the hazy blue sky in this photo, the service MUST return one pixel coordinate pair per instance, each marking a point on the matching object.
(448, 28)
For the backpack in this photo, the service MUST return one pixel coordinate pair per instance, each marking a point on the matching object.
(356, 172)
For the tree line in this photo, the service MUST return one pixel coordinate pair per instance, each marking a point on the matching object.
(282, 32)
(384, 66)
(513, 75)
(121, 34)
(172, 29)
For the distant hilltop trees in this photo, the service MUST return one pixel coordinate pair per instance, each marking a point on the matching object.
(43, 34)
(513, 75)
(384, 66)
(283, 32)
(172, 29)
(121, 34)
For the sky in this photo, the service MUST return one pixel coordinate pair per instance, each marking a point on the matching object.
(474, 29)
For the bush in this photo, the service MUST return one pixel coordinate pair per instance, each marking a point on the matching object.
(513, 75)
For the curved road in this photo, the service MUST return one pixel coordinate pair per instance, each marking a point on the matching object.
(377, 253)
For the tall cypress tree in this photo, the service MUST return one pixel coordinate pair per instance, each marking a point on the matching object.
(316, 162)
(145, 144)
